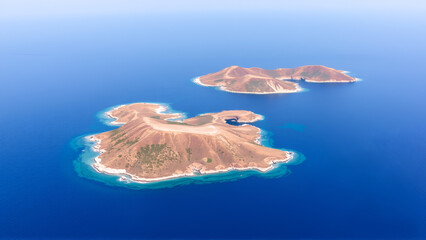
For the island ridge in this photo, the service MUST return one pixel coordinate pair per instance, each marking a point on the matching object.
(261, 81)
(152, 145)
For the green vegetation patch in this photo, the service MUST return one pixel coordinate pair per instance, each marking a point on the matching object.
(117, 135)
(203, 119)
(119, 141)
(124, 139)
(153, 149)
(114, 132)
(209, 160)
(177, 123)
(154, 155)
(189, 152)
(131, 142)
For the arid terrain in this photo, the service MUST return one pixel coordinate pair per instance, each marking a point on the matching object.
(261, 81)
(152, 145)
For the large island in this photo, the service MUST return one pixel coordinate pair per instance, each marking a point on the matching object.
(152, 145)
(261, 81)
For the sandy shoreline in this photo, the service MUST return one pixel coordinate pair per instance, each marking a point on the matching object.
(298, 88)
(197, 81)
(332, 81)
(162, 110)
(109, 114)
(125, 176)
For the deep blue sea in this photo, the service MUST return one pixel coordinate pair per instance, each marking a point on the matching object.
(364, 175)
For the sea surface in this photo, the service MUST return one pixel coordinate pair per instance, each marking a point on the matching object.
(364, 143)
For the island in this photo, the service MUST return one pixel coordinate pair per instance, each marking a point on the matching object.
(261, 81)
(152, 144)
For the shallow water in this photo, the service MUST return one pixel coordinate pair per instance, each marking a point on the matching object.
(83, 165)
(364, 142)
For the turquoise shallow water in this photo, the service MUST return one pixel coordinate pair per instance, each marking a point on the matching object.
(364, 142)
(83, 165)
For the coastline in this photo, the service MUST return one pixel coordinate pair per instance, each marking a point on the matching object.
(124, 176)
(110, 115)
(333, 81)
(222, 88)
(163, 108)
(327, 81)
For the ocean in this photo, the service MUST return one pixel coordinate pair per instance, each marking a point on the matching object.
(364, 143)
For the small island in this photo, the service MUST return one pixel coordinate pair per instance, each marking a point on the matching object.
(261, 81)
(152, 145)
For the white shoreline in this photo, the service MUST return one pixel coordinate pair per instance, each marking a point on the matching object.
(333, 81)
(162, 110)
(109, 114)
(298, 88)
(125, 176)
(197, 81)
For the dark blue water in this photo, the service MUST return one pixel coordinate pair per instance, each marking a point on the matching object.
(364, 173)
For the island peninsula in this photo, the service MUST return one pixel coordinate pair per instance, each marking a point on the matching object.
(152, 145)
(261, 81)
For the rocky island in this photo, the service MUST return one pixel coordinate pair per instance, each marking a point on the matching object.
(261, 81)
(152, 145)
